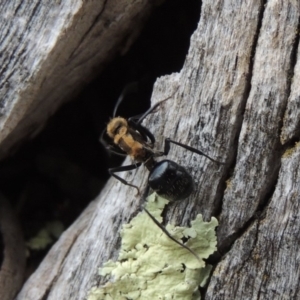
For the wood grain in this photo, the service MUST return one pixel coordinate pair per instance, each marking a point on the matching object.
(263, 263)
(259, 149)
(236, 93)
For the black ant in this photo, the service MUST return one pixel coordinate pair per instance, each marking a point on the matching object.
(167, 178)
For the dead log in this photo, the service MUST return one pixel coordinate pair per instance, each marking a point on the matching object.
(237, 101)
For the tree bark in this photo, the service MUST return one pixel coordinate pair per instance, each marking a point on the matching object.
(237, 101)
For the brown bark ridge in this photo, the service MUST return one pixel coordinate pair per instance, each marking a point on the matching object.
(50, 50)
(236, 100)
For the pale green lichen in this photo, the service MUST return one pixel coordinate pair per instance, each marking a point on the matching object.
(290, 151)
(46, 236)
(152, 266)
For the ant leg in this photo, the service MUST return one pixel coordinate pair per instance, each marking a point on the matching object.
(167, 149)
(165, 231)
(135, 118)
(112, 172)
(102, 140)
(151, 109)
(111, 147)
(145, 133)
(116, 151)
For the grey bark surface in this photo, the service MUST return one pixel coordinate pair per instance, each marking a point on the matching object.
(237, 100)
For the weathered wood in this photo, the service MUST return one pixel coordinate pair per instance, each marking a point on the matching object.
(263, 264)
(259, 148)
(50, 50)
(291, 120)
(232, 97)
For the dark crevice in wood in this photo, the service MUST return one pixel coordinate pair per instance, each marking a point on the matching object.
(45, 296)
(19, 7)
(226, 246)
(117, 241)
(5, 34)
(258, 215)
(218, 256)
(5, 67)
(251, 60)
(184, 215)
(32, 15)
(293, 58)
(270, 187)
(264, 203)
(227, 176)
(218, 203)
(176, 129)
(290, 145)
(244, 101)
(251, 251)
(259, 212)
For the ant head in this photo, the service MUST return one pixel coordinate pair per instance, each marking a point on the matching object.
(115, 125)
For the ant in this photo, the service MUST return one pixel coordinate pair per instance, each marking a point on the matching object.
(167, 178)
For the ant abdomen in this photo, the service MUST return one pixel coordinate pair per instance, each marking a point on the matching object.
(170, 180)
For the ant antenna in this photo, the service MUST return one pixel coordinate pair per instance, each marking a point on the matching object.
(170, 237)
(128, 89)
(151, 109)
(164, 230)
